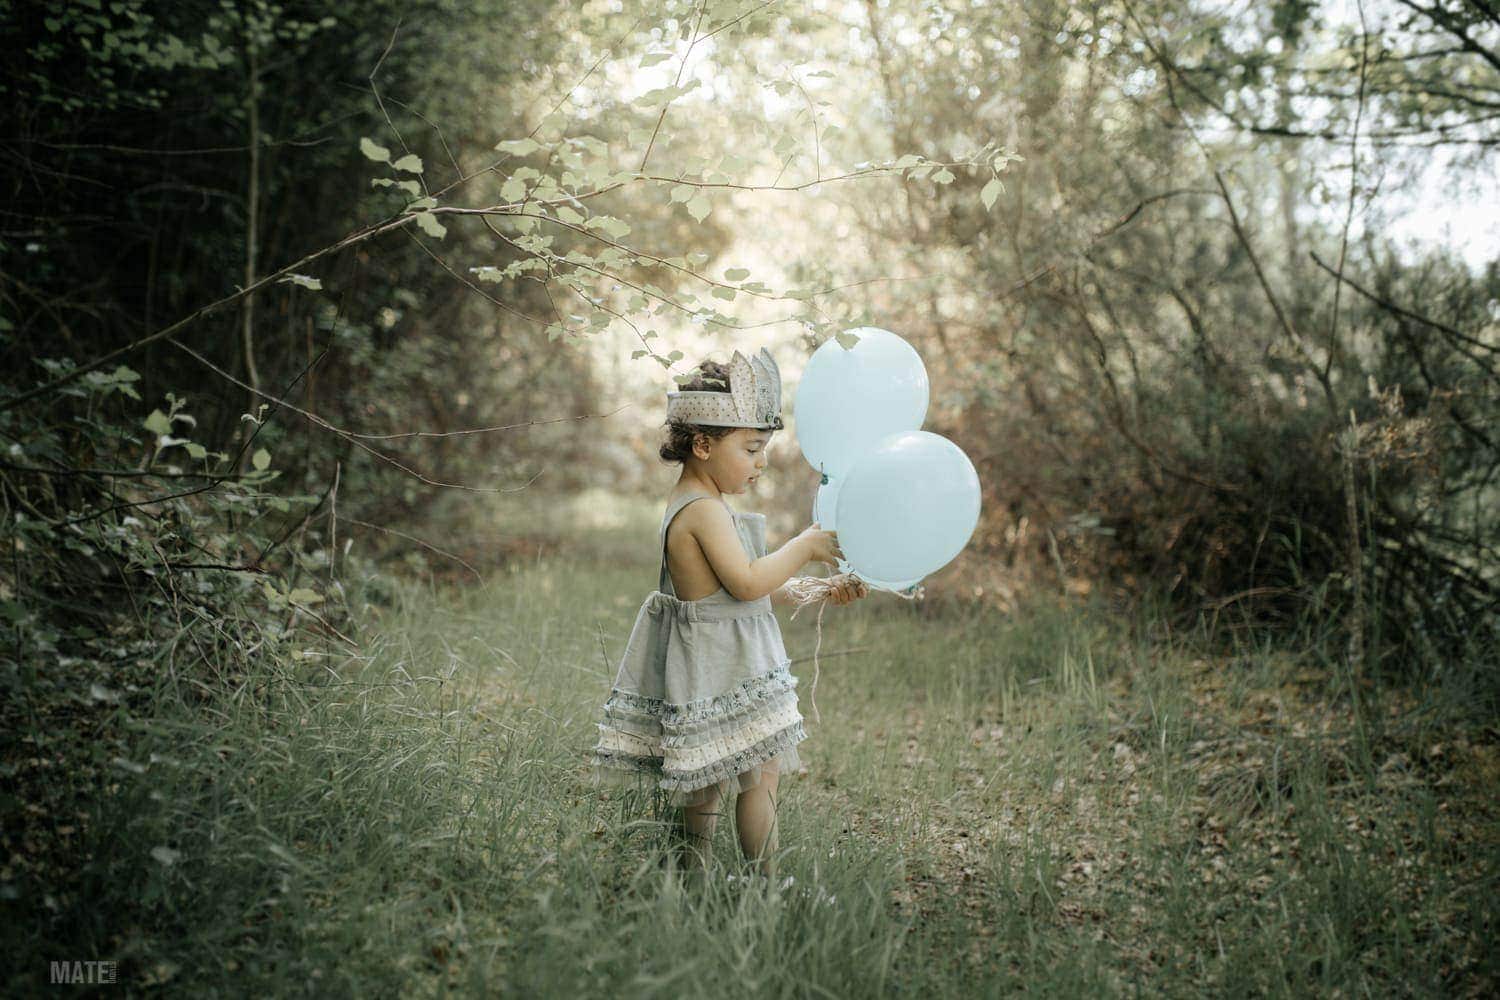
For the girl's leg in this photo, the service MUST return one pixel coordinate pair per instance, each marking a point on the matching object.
(755, 819)
(698, 825)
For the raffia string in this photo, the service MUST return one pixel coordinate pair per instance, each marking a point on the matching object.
(804, 590)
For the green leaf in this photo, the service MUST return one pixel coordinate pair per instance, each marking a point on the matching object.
(375, 152)
(943, 176)
(612, 227)
(569, 216)
(990, 192)
(422, 204)
(410, 187)
(158, 423)
(304, 281)
(261, 459)
(518, 147)
(698, 207)
(514, 189)
(664, 95)
(727, 294)
(195, 450)
(847, 340)
(652, 58)
(431, 226)
(117, 381)
(736, 274)
(683, 192)
(411, 163)
(302, 595)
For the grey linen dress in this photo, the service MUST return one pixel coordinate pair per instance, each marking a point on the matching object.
(704, 698)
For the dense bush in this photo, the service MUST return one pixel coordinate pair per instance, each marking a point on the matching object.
(1144, 341)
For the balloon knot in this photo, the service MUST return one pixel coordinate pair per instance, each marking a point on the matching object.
(825, 480)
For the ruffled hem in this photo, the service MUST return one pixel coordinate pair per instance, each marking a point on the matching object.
(725, 728)
(731, 776)
(686, 718)
(731, 725)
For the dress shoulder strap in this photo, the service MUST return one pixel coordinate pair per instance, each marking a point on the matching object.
(664, 581)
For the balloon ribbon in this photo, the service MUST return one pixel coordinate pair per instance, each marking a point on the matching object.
(804, 590)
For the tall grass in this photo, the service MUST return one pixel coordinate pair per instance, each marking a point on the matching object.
(1061, 802)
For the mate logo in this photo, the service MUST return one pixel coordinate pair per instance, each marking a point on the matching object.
(82, 973)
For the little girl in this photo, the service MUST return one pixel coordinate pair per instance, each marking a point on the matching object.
(704, 702)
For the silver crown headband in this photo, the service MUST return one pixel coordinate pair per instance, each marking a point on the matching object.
(753, 399)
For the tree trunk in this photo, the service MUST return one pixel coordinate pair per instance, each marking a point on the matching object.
(247, 310)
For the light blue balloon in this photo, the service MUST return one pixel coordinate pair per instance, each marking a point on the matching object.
(849, 399)
(826, 505)
(825, 513)
(906, 508)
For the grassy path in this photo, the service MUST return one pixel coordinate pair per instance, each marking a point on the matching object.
(1040, 804)
(1050, 804)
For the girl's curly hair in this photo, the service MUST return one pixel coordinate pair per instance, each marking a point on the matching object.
(710, 376)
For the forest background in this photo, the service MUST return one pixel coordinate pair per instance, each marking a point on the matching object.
(301, 303)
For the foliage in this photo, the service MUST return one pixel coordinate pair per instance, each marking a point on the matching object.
(1160, 349)
(1054, 802)
(261, 262)
(169, 550)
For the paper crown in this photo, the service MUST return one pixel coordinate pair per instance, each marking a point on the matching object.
(753, 399)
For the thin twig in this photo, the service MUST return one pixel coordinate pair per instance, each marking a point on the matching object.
(426, 545)
(358, 236)
(1401, 311)
(702, 9)
(351, 438)
(1338, 285)
(233, 462)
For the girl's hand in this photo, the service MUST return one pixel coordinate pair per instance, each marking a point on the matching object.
(848, 588)
(822, 546)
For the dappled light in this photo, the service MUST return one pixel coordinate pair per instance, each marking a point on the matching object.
(337, 347)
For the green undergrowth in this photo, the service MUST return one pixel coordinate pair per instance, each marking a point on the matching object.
(1058, 801)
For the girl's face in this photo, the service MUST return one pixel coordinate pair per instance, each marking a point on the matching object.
(737, 459)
